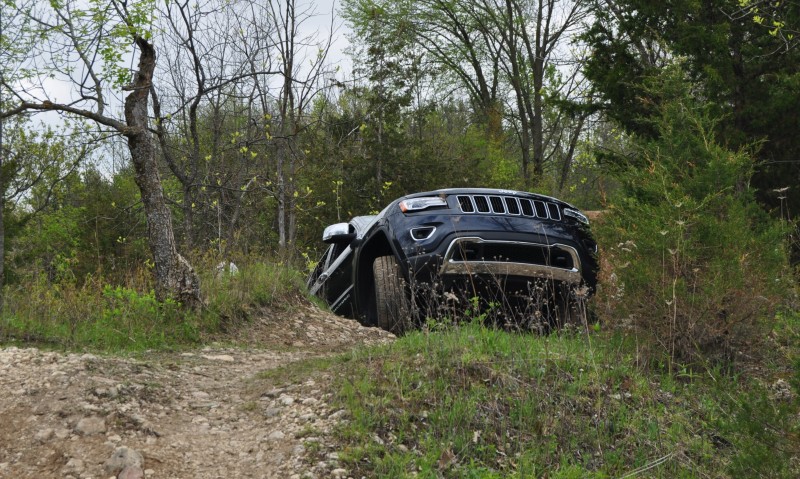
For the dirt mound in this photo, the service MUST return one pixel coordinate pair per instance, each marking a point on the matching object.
(306, 326)
(188, 415)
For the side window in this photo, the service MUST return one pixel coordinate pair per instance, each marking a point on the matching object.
(322, 264)
(336, 250)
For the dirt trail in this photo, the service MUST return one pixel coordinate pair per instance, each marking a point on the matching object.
(198, 414)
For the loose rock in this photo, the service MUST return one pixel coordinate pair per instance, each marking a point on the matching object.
(44, 435)
(200, 415)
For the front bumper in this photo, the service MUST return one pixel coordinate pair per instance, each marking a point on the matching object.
(473, 255)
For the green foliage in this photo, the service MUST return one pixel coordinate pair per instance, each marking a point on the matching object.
(746, 71)
(51, 242)
(426, 147)
(233, 299)
(698, 267)
(764, 423)
(764, 430)
(94, 316)
(89, 224)
(118, 31)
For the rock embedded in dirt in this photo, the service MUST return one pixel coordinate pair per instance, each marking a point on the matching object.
(73, 466)
(272, 412)
(219, 357)
(90, 425)
(44, 435)
(273, 393)
(123, 458)
(131, 472)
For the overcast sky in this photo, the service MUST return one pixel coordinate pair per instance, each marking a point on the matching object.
(325, 18)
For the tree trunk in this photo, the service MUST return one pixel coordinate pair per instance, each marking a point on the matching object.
(566, 166)
(281, 195)
(175, 277)
(2, 227)
(520, 93)
(188, 218)
(537, 123)
(2, 192)
(536, 55)
(287, 123)
(292, 213)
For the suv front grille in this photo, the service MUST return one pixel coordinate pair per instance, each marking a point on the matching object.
(509, 205)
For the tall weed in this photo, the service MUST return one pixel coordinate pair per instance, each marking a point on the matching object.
(233, 297)
(473, 401)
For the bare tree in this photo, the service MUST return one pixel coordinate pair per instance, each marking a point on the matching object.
(214, 56)
(97, 37)
(246, 74)
(299, 86)
(530, 33)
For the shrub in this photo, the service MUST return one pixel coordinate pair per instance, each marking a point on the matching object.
(697, 265)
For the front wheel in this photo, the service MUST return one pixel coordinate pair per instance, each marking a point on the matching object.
(392, 303)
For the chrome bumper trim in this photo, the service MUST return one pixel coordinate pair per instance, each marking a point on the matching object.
(505, 268)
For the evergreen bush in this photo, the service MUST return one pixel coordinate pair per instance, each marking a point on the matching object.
(694, 267)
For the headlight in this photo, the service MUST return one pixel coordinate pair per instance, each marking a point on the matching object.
(577, 215)
(416, 204)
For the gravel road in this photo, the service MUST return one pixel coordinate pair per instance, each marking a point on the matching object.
(195, 414)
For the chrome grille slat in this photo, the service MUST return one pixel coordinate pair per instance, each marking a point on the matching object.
(466, 204)
(508, 205)
(527, 207)
(540, 208)
(553, 211)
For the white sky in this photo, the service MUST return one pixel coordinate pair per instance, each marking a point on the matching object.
(59, 90)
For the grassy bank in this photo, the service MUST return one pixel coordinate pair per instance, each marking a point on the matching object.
(478, 402)
(100, 317)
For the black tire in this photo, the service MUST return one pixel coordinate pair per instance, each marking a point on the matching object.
(392, 304)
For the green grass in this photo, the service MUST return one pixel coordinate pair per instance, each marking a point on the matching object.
(98, 317)
(478, 402)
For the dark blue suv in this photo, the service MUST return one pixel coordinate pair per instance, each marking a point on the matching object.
(383, 270)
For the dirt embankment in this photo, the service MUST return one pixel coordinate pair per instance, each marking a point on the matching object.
(197, 414)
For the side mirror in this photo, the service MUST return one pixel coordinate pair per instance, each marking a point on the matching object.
(338, 233)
